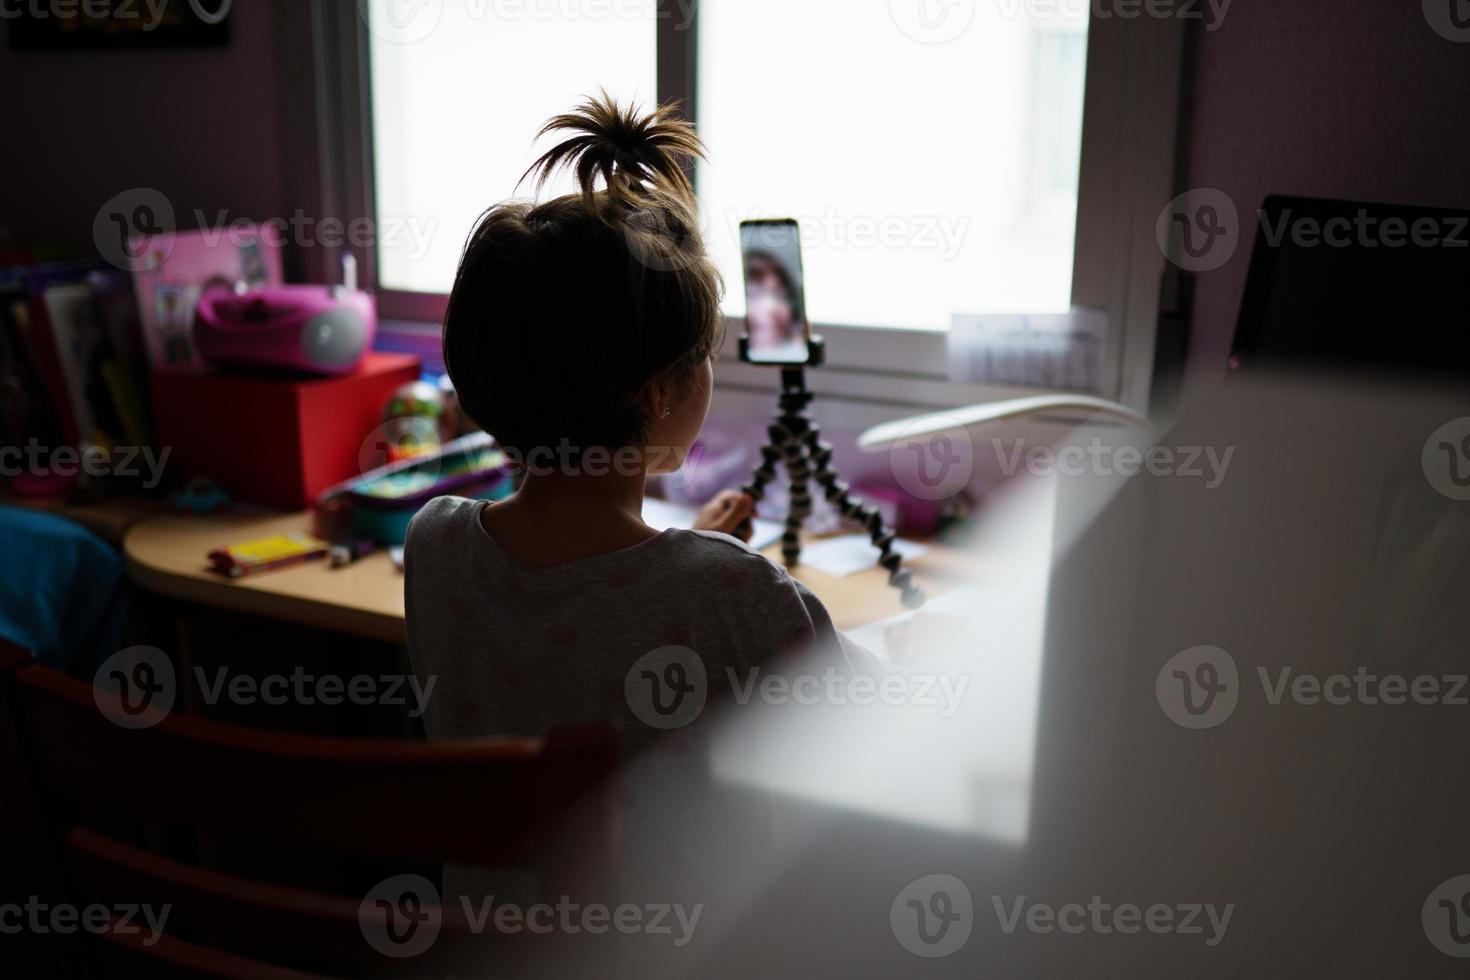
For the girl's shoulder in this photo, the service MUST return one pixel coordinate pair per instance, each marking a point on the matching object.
(443, 515)
(735, 563)
(450, 508)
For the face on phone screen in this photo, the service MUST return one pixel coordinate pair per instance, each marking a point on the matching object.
(775, 315)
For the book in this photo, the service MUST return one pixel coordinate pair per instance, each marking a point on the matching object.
(264, 554)
(75, 360)
(35, 324)
(75, 330)
(25, 405)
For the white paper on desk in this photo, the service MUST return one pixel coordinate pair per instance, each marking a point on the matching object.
(849, 554)
(960, 624)
(662, 515)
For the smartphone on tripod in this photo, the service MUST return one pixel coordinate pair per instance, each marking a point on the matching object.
(777, 331)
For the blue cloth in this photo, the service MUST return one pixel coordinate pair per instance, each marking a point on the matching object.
(63, 590)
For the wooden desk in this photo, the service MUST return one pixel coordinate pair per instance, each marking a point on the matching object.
(165, 554)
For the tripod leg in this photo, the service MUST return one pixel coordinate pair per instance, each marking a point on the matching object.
(765, 471)
(836, 492)
(798, 467)
(796, 441)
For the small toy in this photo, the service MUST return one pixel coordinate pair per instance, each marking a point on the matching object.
(347, 553)
(417, 420)
(201, 495)
(43, 485)
(384, 500)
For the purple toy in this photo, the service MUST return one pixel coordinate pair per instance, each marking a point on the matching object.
(315, 329)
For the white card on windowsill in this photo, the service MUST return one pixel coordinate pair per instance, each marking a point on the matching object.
(662, 515)
(848, 554)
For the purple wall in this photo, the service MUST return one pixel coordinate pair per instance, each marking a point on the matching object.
(1355, 99)
(199, 124)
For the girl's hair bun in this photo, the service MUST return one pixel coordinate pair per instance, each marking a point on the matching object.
(603, 291)
(638, 157)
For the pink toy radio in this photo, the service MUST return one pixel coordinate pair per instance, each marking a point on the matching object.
(315, 329)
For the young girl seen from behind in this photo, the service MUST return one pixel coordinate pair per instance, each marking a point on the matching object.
(579, 334)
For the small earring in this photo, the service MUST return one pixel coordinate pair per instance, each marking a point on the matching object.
(668, 412)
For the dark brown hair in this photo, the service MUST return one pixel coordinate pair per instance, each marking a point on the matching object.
(563, 311)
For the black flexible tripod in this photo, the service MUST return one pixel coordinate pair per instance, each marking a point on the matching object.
(796, 442)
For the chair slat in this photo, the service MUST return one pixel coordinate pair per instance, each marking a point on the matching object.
(122, 955)
(493, 801)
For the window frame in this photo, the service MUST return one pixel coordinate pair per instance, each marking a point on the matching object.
(1130, 129)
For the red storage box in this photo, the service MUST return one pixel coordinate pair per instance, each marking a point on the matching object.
(274, 440)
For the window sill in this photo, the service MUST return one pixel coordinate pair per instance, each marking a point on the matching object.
(872, 375)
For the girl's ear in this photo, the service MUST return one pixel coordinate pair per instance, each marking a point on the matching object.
(657, 398)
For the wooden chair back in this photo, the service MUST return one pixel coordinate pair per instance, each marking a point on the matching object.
(546, 803)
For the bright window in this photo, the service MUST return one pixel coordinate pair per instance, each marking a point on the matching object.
(930, 150)
(459, 92)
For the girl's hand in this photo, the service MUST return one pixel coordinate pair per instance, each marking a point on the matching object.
(726, 513)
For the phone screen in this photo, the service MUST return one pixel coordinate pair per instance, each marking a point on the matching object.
(776, 326)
